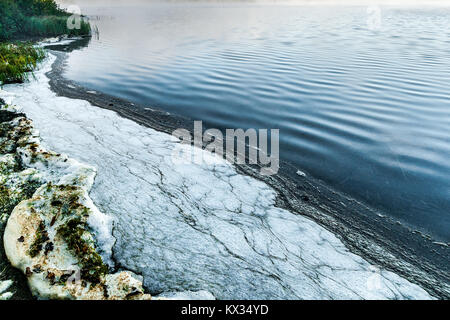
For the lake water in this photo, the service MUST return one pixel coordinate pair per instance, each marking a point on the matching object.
(361, 103)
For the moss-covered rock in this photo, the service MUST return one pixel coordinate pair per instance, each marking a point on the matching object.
(40, 238)
(16, 184)
(92, 266)
(44, 197)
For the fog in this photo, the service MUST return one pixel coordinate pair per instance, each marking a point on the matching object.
(65, 3)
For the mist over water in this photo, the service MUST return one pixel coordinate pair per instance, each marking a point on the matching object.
(365, 109)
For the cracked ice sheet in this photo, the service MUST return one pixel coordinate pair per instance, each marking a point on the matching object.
(198, 227)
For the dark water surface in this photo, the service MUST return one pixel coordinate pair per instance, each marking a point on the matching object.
(367, 111)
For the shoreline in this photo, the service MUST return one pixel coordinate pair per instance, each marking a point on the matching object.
(365, 231)
(309, 198)
(51, 230)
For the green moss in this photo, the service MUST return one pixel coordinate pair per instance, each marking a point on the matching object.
(9, 134)
(92, 266)
(63, 204)
(21, 290)
(29, 188)
(39, 240)
(8, 167)
(17, 60)
(6, 115)
(6, 203)
(10, 199)
(21, 189)
(66, 199)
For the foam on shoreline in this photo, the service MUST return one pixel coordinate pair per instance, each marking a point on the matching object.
(198, 227)
(4, 286)
(50, 233)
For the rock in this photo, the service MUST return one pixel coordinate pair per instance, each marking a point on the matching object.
(50, 233)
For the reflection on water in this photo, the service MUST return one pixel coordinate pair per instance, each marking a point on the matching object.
(367, 111)
(78, 44)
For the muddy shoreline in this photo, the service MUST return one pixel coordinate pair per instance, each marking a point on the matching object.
(380, 240)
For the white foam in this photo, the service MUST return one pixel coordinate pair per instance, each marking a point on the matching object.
(58, 41)
(301, 173)
(199, 227)
(186, 295)
(4, 286)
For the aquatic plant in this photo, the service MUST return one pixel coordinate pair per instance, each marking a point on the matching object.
(50, 26)
(35, 18)
(44, 229)
(40, 238)
(17, 60)
(30, 19)
(92, 266)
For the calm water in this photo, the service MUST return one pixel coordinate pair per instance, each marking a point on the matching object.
(367, 111)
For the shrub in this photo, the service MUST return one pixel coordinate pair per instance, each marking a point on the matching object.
(17, 60)
(52, 26)
(22, 18)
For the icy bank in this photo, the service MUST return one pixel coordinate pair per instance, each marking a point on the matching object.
(199, 227)
(51, 220)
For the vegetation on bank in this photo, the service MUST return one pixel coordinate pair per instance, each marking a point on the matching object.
(35, 18)
(52, 26)
(17, 60)
(91, 263)
(25, 19)
(14, 188)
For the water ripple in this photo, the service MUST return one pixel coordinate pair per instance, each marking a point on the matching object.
(366, 111)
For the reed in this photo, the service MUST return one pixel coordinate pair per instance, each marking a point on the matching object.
(35, 18)
(51, 26)
(17, 60)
